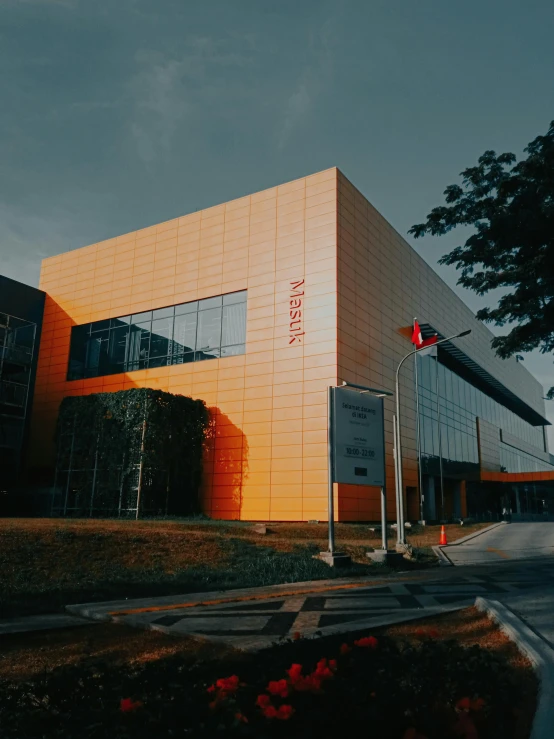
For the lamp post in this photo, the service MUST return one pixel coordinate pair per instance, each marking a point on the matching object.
(400, 533)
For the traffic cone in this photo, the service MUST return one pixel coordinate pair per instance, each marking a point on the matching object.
(442, 540)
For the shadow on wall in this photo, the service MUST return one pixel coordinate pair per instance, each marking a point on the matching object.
(225, 467)
(226, 448)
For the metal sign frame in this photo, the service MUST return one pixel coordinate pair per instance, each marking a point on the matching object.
(377, 395)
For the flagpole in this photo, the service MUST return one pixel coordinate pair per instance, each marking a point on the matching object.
(418, 438)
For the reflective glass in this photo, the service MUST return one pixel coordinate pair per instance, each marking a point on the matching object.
(231, 298)
(162, 334)
(234, 324)
(186, 308)
(210, 303)
(209, 330)
(184, 333)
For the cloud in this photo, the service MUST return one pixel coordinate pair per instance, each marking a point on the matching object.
(168, 92)
(311, 81)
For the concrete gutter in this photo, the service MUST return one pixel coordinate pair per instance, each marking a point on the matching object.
(539, 654)
(444, 559)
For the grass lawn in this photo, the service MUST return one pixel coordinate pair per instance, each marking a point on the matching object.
(47, 563)
(70, 683)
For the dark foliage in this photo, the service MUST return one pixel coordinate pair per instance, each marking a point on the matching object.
(511, 208)
(382, 691)
(110, 445)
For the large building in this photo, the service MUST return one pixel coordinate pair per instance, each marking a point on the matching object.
(21, 309)
(256, 306)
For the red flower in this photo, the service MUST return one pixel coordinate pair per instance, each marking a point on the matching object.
(322, 671)
(128, 704)
(228, 684)
(333, 664)
(285, 712)
(269, 711)
(367, 641)
(464, 704)
(295, 673)
(278, 687)
(263, 701)
(345, 649)
(241, 718)
(297, 636)
(211, 689)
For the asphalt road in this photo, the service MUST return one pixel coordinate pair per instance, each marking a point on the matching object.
(509, 542)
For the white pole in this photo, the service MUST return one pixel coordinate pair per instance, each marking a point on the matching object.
(418, 441)
(331, 501)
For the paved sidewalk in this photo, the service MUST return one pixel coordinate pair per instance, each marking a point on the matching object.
(504, 543)
(256, 618)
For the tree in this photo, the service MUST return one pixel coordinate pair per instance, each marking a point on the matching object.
(511, 208)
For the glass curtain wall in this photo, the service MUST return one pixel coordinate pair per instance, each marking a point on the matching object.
(17, 340)
(460, 403)
(189, 332)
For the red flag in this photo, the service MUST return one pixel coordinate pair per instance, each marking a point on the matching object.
(418, 339)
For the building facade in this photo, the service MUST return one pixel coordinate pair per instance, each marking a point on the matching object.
(256, 306)
(21, 311)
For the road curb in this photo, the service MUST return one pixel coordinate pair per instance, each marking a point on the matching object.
(539, 654)
(444, 559)
(475, 534)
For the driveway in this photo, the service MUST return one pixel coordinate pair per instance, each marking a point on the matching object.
(508, 542)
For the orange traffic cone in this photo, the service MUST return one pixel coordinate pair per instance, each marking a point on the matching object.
(442, 540)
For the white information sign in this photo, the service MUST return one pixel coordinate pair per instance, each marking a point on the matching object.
(358, 438)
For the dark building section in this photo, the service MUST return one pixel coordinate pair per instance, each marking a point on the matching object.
(21, 313)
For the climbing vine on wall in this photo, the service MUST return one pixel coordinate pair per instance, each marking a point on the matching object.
(130, 453)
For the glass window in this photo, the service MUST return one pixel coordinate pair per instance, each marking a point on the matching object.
(230, 351)
(183, 358)
(118, 347)
(184, 333)
(208, 303)
(186, 308)
(179, 334)
(117, 322)
(100, 325)
(209, 330)
(232, 298)
(162, 334)
(234, 324)
(77, 352)
(163, 313)
(145, 317)
(96, 362)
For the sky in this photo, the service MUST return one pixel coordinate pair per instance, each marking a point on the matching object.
(118, 114)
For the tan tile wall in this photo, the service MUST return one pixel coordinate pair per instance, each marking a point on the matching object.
(269, 458)
(383, 285)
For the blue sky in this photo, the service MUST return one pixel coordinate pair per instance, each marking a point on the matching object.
(117, 114)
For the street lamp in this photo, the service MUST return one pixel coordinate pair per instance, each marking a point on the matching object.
(401, 538)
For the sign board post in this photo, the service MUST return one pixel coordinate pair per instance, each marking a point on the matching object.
(356, 444)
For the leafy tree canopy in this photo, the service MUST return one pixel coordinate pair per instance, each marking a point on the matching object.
(511, 207)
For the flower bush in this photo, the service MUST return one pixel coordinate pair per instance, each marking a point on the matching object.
(427, 689)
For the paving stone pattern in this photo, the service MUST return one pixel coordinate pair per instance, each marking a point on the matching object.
(255, 625)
